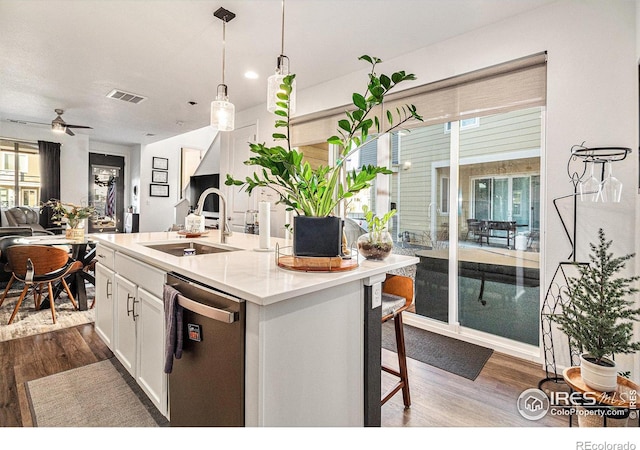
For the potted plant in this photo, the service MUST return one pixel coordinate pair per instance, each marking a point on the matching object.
(598, 317)
(72, 215)
(377, 242)
(316, 193)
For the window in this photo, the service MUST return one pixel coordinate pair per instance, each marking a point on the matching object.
(19, 174)
(367, 154)
(444, 195)
(474, 122)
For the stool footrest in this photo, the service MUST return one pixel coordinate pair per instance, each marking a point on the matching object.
(391, 371)
(399, 385)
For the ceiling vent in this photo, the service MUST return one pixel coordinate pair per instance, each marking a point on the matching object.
(126, 96)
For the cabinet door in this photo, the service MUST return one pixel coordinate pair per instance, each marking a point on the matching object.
(151, 338)
(126, 312)
(104, 304)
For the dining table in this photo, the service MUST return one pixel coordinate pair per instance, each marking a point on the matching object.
(82, 250)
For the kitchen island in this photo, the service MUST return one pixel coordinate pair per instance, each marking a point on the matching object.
(312, 339)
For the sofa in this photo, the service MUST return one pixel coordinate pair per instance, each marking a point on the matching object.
(25, 217)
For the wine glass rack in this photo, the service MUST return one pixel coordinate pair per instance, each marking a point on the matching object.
(558, 293)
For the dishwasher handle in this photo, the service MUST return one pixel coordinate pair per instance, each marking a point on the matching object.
(220, 315)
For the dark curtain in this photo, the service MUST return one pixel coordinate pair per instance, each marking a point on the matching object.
(49, 177)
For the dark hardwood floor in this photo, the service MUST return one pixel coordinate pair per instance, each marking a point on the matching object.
(439, 399)
(29, 358)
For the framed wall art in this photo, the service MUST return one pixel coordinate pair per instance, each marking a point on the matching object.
(159, 176)
(158, 190)
(160, 163)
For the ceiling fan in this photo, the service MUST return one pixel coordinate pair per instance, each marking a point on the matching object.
(60, 126)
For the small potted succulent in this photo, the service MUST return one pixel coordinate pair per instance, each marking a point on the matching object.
(377, 243)
(598, 317)
(314, 194)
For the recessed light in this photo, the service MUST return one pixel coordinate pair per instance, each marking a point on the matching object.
(251, 75)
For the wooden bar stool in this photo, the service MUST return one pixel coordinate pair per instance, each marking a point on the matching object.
(397, 296)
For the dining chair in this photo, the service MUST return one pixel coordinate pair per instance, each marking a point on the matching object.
(397, 296)
(37, 266)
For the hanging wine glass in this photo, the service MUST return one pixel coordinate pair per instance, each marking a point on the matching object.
(590, 188)
(611, 187)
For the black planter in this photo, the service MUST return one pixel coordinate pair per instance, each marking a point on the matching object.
(317, 236)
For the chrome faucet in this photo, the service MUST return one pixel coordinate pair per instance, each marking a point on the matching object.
(225, 230)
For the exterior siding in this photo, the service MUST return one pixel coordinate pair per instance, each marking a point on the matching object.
(427, 149)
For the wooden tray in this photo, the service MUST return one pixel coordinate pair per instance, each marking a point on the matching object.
(625, 396)
(318, 264)
(191, 234)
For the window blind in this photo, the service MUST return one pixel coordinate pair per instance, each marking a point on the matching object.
(517, 84)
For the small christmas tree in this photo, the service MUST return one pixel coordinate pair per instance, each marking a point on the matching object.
(599, 317)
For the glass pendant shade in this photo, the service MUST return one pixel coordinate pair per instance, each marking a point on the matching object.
(222, 111)
(273, 87)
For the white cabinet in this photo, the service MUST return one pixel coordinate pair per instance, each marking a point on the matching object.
(126, 313)
(150, 361)
(104, 303)
(134, 329)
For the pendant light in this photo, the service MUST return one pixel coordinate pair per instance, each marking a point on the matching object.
(222, 110)
(275, 80)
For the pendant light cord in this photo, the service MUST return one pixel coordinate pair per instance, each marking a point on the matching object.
(282, 32)
(224, 40)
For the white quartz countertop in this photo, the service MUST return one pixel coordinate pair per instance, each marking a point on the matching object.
(246, 273)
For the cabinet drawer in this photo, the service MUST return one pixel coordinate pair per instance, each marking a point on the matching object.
(143, 275)
(105, 256)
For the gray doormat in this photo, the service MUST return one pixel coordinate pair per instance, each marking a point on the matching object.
(455, 356)
(97, 395)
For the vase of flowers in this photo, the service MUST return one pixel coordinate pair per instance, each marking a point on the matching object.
(71, 214)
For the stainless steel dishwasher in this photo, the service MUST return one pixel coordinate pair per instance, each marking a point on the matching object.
(206, 385)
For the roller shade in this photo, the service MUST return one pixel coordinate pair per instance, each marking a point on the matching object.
(509, 86)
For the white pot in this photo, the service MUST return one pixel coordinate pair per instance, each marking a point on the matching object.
(597, 377)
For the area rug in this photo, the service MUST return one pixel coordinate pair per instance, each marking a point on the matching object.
(97, 395)
(455, 356)
(29, 321)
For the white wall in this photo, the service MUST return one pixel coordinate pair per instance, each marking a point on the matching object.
(157, 213)
(592, 97)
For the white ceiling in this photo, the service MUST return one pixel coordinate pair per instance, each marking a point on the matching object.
(70, 53)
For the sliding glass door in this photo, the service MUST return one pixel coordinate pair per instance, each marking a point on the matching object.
(489, 229)
(504, 198)
(498, 267)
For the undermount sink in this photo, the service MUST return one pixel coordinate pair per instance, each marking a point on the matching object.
(178, 248)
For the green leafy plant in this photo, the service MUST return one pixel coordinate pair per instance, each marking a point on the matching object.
(598, 316)
(68, 212)
(376, 225)
(377, 243)
(317, 192)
